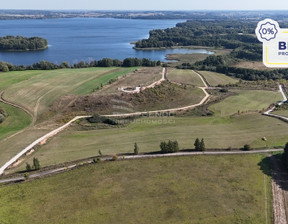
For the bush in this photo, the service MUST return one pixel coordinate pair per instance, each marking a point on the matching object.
(97, 160)
(96, 118)
(223, 90)
(247, 147)
(26, 176)
(114, 157)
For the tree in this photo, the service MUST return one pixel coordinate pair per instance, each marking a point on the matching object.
(202, 145)
(64, 64)
(197, 144)
(5, 68)
(36, 164)
(163, 146)
(175, 146)
(28, 167)
(105, 62)
(136, 149)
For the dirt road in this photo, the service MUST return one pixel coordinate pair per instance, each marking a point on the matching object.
(131, 157)
(36, 142)
(279, 190)
(279, 176)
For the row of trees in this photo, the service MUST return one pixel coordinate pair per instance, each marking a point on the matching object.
(19, 43)
(105, 62)
(173, 146)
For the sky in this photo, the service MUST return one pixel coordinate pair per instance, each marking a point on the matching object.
(146, 4)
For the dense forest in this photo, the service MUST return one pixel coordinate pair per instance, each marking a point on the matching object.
(228, 34)
(19, 43)
(234, 34)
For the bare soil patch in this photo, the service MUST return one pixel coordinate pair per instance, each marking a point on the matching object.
(163, 96)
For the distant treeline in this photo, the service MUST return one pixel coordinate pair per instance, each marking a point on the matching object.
(221, 64)
(132, 14)
(19, 43)
(105, 62)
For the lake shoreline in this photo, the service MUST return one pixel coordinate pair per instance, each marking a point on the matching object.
(95, 39)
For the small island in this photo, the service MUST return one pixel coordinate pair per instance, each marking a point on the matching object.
(19, 43)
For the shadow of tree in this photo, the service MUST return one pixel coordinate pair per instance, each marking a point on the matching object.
(273, 167)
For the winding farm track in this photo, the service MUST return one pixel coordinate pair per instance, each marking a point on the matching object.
(279, 194)
(133, 157)
(44, 138)
(15, 105)
(2, 100)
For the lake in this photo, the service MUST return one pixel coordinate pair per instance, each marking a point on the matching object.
(77, 39)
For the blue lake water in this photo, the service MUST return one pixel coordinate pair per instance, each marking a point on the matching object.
(77, 39)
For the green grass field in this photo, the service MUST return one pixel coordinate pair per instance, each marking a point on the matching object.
(200, 189)
(9, 78)
(219, 133)
(38, 92)
(215, 79)
(15, 121)
(245, 101)
(185, 77)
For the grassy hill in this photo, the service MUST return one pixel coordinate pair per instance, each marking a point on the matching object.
(200, 189)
